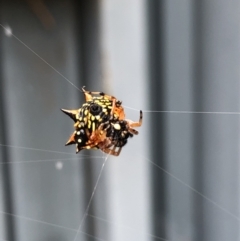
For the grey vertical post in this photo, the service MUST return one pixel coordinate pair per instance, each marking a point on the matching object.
(157, 82)
(128, 175)
(198, 135)
(5, 169)
(216, 150)
(179, 127)
(48, 202)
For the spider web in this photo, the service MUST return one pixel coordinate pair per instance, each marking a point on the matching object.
(62, 162)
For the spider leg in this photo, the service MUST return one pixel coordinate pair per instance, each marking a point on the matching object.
(117, 108)
(136, 124)
(101, 126)
(113, 106)
(117, 152)
(90, 146)
(133, 131)
(112, 151)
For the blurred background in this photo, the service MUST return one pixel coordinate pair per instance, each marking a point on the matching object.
(178, 61)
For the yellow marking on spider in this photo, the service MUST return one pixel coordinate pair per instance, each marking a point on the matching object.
(93, 118)
(116, 126)
(85, 112)
(89, 116)
(93, 126)
(97, 117)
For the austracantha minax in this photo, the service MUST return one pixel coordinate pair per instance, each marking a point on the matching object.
(100, 124)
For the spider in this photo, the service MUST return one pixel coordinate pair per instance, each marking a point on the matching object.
(100, 124)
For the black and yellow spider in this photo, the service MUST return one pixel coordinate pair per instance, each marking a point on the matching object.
(100, 124)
